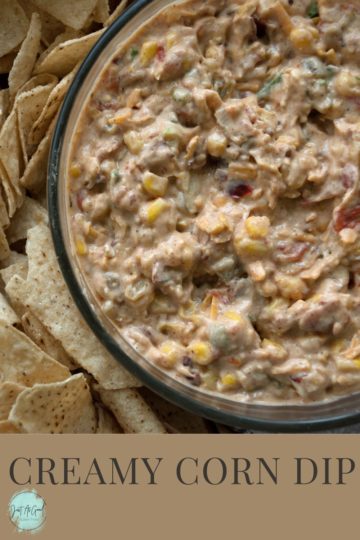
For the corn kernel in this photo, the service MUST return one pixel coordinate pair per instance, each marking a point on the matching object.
(155, 209)
(209, 380)
(302, 39)
(81, 247)
(241, 171)
(274, 345)
(348, 236)
(216, 144)
(121, 116)
(214, 309)
(347, 84)
(257, 271)
(250, 248)
(215, 225)
(278, 11)
(357, 363)
(148, 52)
(170, 350)
(155, 185)
(134, 142)
(234, 316)
(75, 171)
(291, 287)
(201, 353)
(257, 226)
(229, 380)
(171, 39)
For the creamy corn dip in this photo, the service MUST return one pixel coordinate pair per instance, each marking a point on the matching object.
(214, 196)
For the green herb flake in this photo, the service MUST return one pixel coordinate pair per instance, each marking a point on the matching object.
(134, 52)
(313, 9)
(266, 89)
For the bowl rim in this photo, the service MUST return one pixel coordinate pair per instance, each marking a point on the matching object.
(212, 413)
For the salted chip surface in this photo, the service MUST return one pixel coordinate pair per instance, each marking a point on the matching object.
(29, 215)
(106, 421)
(11, 154)
(26, 57)
(131, 411)
(50, 27)
(47, 296)
(8, 394)
(18, 267)
(13, 25)
(66, 55)
(7, 314)
(22, 362)
(73, 14)
(63, 407)
(43, 339)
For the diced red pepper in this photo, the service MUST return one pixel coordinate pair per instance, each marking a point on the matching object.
(297, 380)
(239, 190)
(347, 218)
(161, 53)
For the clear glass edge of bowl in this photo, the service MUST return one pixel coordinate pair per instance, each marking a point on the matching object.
(283, 418)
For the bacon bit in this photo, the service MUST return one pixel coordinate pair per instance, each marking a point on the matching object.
(297, 380)
(238, 190)
(347, 218)
(234, 362)
(161, 53)
(291, 252)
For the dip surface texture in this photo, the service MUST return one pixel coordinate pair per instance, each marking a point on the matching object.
(214, 196)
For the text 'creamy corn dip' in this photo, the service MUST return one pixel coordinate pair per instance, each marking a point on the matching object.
(214, 193)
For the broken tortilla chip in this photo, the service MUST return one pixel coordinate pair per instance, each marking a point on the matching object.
(43, 339)
(70, 13)
(13, 25)
(22, 362)
(4, 246)
(7, 426)
(117, 12)
(131, 411)
(50, 27)
(101, 11)
(8, 394)
(65, 56)
(106, 421)
(4, 106)
(26, 57)
(7, 314)
(62, 407)
(29, 215)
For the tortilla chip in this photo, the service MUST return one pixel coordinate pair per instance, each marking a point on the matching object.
(175, 419)
(73, 14)
(106, 421)
(43, 339)
(131, 411)
(6, 62)
(63, 407)
(29, 106)
(12, 201)
(8, 394)
(64, 57)
(40, 126)
(11, 154)
(102, 11)
(50, 27)
(4, 216)
(29, 215)
(35, 173)
(22, 362)
(16, 290)
(117, 12)
(47, 296)
(26, 57)
(13, 25)
(4, 246)
(10, 269)
(7, 314)
(38, 80)
(4, 106)
(10, 427)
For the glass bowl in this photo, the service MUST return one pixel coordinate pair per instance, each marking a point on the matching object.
(221, 409)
